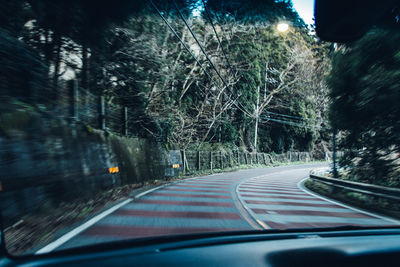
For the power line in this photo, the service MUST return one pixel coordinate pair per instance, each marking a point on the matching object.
(289, 123)
(220, 44)
(225, 55)
(209, 60)
(200, 45)
(292, 123)
(219, 39)
(222, 48)
(191, 53)
(179, 38)
(183, 43)
(230, 66)
(294, 117)
(216, 34)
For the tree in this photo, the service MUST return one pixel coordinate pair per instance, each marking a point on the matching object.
(365, 95)
(175, 92)
(22, 74)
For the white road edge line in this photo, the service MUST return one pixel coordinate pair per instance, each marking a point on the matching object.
(148, 191)
(302, 187)
(66, 237)
(63, 239)
(53, 245)
(249, 211)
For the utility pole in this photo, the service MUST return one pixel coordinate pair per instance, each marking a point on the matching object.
(335, 172)
(257, 112)
(257, 115)
(333, 48)
(265, 81)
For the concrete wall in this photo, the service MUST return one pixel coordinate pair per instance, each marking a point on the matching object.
(46, 161)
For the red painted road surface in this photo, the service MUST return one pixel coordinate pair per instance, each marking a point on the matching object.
(256, 199)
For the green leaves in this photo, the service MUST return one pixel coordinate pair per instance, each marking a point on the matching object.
(366, 94)
(125, 51)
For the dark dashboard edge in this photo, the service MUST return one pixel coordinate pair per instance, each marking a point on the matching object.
(152, 245)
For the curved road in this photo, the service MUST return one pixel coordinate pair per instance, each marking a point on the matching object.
(262, 198)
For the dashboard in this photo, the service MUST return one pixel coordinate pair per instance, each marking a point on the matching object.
(325, 248)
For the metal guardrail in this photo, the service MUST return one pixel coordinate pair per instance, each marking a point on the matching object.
(369, 189)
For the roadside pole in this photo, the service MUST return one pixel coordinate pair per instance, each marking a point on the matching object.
(257, 115)
(335, 172)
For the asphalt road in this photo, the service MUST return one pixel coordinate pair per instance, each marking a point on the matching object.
(255, 199)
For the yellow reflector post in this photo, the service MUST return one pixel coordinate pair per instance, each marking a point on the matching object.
(113, 170)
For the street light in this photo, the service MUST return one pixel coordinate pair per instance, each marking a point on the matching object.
(282, 27)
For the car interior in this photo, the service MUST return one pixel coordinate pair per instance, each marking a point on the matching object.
(336, 21)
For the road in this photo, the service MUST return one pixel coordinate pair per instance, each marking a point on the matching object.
(262, 198)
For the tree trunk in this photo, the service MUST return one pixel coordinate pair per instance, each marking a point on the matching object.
(47, 48)
(57, 61)
(265, 81)
(84, 74)
(256, 124)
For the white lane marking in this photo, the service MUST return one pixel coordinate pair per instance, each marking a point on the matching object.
(63, 239)
(66, 237)
(295, 193)
(302, 208)
(302, 187)
(294, 218)
(278, 195)
(249, 211)
(74, 232)
(267, 198)
(148, 191)
(53, 245)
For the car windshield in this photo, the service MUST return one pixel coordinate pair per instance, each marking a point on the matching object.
(139, 119)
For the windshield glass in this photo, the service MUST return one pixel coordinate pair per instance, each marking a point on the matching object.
(138, 119)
